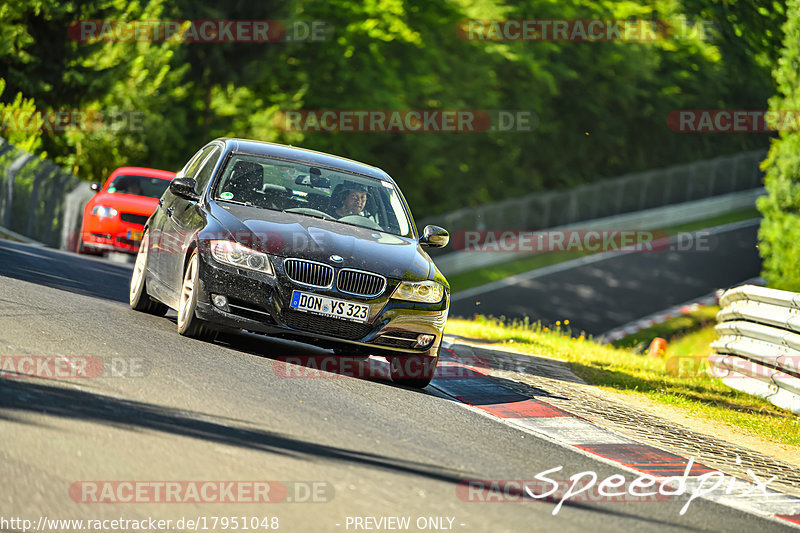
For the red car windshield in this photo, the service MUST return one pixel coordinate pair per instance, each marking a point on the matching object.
(138, 185)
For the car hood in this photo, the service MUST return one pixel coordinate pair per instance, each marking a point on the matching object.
(126, 203)
(294, 235)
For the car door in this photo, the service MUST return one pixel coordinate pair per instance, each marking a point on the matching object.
(183, 218)
(159, 242)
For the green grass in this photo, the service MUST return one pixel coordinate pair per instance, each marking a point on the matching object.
(667, 380)
(695, 343)
(676, 326)
(475, 278)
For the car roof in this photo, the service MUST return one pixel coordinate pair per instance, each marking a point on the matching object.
(312, 157)
(144, 171)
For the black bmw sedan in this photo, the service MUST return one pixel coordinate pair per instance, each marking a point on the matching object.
(290, 242)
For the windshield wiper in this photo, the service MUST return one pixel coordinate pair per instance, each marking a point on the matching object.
(321, 217)
(325, 217)
(246, 204)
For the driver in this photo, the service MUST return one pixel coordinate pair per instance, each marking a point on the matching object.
(352, 198)
(135, 188)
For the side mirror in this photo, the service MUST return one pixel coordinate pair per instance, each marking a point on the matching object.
(434, 237)
(184, 188)
(95, 187)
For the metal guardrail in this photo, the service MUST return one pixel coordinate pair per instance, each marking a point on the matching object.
(612, 196)
(758, 344)
(38, 199)
(658, 218)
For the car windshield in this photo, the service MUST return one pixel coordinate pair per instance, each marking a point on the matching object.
(138, 185)
(295, 187)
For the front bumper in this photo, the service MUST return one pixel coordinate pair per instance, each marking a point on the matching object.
(260, 303)
(111, 235)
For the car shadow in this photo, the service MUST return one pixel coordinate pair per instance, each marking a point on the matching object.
(19, 397)
(74, 404)
(299, 360)
(67, 271)
(485, 356)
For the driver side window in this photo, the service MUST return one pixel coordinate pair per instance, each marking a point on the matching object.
(193, 166)
(207, 167)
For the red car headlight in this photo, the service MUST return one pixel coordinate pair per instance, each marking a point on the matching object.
(103, 211)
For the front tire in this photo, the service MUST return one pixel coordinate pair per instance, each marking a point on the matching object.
(138, 297)
(415, 371)
(188, 323)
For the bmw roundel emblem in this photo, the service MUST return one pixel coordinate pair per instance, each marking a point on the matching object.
(336, 258)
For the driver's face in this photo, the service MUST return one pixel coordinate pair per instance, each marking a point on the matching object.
(354, 202)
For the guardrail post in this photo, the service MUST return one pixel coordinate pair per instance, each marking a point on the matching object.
(13, 170)
(618, 196)
(734, 174)
(5, 148)
(546, 209)
(713, 178)
(46, 170)
(61, 179)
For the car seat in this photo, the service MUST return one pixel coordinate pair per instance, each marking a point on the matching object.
(246, 182)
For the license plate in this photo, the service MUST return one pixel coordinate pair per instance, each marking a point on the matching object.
(325, 305)
(134, 235)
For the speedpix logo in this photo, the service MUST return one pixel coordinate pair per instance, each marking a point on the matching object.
(589, 487)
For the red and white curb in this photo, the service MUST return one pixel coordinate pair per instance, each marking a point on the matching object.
(662, 316)
(533, 416)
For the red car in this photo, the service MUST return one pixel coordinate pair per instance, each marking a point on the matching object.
(114, 219)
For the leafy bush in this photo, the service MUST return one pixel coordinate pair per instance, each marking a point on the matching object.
(780, 229)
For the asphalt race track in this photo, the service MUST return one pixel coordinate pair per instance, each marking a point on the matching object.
(335, 449)
(597, 296)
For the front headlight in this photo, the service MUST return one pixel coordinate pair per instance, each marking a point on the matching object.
(233, 253)
(103, 211)
(419, 291)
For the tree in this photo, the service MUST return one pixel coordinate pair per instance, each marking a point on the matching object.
(779, 233)
(600, 107)
(14, 117)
